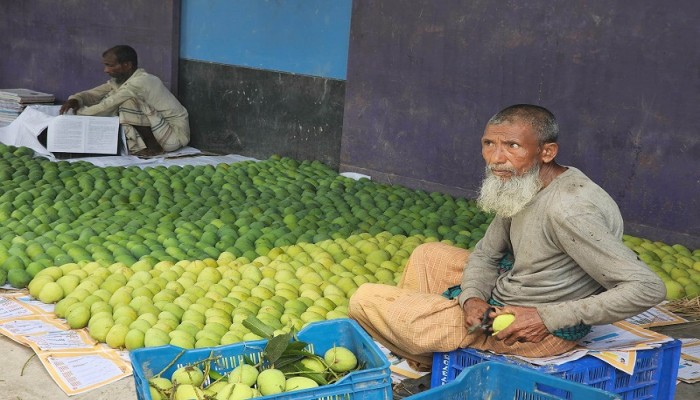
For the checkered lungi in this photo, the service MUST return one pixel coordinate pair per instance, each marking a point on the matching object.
(135, 112)
(413, 319)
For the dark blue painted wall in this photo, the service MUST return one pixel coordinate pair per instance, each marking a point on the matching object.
(56, 46)
(622, 77)
(422, 78)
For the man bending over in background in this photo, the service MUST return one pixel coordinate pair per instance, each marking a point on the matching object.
(152, 119)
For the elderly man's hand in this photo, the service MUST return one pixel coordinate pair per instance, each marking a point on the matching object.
(71, 104)
(527, 327)
(474, 309)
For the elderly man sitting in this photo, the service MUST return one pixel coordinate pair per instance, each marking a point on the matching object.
(552, 256)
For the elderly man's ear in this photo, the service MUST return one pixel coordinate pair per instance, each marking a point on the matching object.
(549, 152)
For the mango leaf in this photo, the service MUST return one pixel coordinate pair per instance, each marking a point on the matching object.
(276, 346)
(287, 359)
(280, 350)
(258, 327)
(299, 353)
(316, 376)
(248, 360)
(215, 375)
(291, 356)
(298, 370)
(297, 345)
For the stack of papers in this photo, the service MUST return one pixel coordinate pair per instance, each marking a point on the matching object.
(13, 101)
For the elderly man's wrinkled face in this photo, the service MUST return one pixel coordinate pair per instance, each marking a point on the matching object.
(510, 149)
(119, 71)
(511, 152)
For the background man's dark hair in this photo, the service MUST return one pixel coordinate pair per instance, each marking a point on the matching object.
(124, 53)
(541, 119)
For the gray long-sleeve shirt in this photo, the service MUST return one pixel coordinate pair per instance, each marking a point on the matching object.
(570, 262)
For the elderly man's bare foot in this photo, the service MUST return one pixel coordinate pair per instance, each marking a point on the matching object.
(148, 152)
(153, 148)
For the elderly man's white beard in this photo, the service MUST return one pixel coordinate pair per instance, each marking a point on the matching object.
(507, 197)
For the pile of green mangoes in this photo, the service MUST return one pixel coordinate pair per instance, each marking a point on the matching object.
(203, 303)
(74, 216)
(55, 213)
(677, 266)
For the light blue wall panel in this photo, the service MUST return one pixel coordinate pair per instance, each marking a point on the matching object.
(307, 37)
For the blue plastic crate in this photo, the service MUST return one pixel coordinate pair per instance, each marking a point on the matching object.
(500, 381)
(372, 382)
(654, 374)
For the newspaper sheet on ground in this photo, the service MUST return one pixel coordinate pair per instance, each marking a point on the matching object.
(656, 316)
(688, 371)
(622, 336)
(691, 350)
(689, 367)
(400, 369)
(75, 361)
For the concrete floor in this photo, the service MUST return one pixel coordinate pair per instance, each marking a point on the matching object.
(23, 377)
(684, 391)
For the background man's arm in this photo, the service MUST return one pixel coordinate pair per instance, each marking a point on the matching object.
(70, 104)
(97, 102)
(89, 97)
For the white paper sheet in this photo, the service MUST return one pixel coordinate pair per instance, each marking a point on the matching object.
(24, 130)
(83, 134)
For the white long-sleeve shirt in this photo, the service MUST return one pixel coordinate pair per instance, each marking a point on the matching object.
(104, 100)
